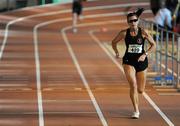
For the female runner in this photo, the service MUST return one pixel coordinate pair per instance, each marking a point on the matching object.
(135, 61)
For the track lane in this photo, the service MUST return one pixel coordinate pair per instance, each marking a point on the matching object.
(8, 43)
(69, 87)
(168, 103)
(80, 52)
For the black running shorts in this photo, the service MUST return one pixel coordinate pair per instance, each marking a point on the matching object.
(139, 66)
(77, 8)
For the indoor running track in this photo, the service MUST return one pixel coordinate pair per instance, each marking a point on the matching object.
(50, 76)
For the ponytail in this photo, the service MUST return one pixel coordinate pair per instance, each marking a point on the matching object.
(139, 12)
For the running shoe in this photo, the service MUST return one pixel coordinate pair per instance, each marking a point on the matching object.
(135, 115)
(74, 30)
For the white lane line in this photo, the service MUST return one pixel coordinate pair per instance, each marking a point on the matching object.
(99, 112)
(151, 102)
(38, 74)
(168, 121)
(36, 46)
(35, 32)
(6, 39)
(37, 60)
(56, 13)
(59, 12)
(38, 78)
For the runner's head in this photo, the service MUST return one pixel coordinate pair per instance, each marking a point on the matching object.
(132, 18)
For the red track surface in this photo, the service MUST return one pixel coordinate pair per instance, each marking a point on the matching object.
(64, 81)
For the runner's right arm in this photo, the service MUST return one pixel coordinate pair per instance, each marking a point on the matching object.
(119, 37)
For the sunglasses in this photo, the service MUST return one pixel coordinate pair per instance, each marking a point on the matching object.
(134, 20)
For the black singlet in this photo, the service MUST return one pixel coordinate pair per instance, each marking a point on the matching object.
(134, 49)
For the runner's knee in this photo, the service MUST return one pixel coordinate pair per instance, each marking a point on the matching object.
(140, 91)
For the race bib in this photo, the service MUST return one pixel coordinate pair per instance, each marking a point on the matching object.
(135, 48)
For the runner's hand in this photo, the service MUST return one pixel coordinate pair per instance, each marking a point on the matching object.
(142, 57)
(117, 55)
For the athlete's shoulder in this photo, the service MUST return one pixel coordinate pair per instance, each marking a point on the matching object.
(123, 32)
(144, 32)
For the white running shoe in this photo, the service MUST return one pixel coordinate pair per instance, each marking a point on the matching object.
(74, 30)
(135, 115)
(81, 17)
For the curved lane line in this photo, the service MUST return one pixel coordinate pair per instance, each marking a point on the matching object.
(38, 75)
(20, 19)
(146, 96)
(85, 82)
(55, 13)
(37, 59)
(112, 58)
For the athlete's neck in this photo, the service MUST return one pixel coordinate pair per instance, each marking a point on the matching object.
(133, 31)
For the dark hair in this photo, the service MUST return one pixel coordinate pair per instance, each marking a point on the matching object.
(137, 13)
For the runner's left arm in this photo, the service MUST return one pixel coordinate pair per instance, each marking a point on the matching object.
(152, 45)
(151, 42)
